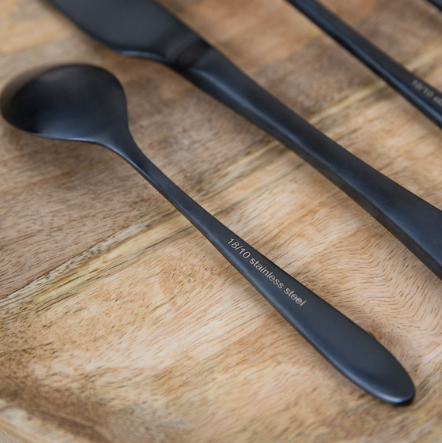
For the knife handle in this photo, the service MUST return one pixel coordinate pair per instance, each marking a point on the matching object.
(420, 94)
(416, 223)
(343, 343)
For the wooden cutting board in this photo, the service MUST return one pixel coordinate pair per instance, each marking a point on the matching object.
(120, 323)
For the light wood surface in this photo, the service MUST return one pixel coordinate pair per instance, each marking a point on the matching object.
(120, 323)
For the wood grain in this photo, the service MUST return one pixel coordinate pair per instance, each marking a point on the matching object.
(120, 323)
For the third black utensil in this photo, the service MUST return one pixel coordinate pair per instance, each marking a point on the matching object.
(437, 3)
(423, 96)
(142, 28)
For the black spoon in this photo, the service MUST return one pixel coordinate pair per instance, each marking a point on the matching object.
(88, 104)
(142, 28)
(423, 96)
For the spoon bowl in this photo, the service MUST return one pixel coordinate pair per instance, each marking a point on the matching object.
(88, 104)
(43, 103)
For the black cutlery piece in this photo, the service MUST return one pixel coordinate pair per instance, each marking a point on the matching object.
(420, 94)
(143, 28)
(437, 3)
(85, 103)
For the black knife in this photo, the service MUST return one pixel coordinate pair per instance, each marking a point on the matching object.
(143, 28)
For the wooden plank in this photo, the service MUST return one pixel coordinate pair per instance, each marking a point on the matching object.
(119, 322)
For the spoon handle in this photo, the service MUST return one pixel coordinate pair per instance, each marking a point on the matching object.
(344, 344)
(416, 223)
(423, 96)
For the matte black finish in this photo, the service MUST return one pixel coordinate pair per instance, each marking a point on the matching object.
(142, 28)
(423, 96)
(437, 3)
(85, 103)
